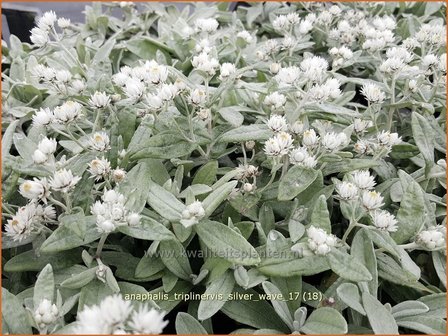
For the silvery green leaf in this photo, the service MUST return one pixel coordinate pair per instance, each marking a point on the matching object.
(408, 264)
(7, 138)
(187, 324)
(14, 315)
(111, 281)
(195, 190)
(320, 217)
(254, 132)
(44, 287)
(439, 261)
(291, 266)
(173, 255)
(226, 243)
(220, 290)
(348, 165)
(148, 266)
(409, 308)
(325, 320)
(278, 302)
(148, 229)
(296, 230)
(165, 203)
(93, 293)
(347, 266)
(243, 309)
(381, 320)
(410, 216)
(217, 196)
(349, 294)
(69, 303)
(232, 115)
(422, 132)
(424, 324)
(300, 318)
(206, 174)
(266, 217)
(436, 304)
(169, 280)
(81, 279)
(296, 180)
(333, 109)
(383, 239)
(291, 288)
(241, 276)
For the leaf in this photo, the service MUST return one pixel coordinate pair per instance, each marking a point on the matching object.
(409, 308)
(410, 216)
(424, 324)
(148, 266)
(348, 165)
(217, 196)
(423, 137)
(256, 132)
(7, 137)
(334, 109)
(164, 145)
(244, 309)
(80, 280)
(148, 229)
(44, 287)
(102, 54)
(320, 217)
(164, 202)
(286, 267)
(227, 243)
(347, 266)
(187, 324)
(439, 261)
(325, 320)
(383, 239)
(278, 303)
(381, 320)
(222, 286)
(206, 174)
(232, 115)
(92, 294)
(28, 261)
(146, 48)
(349, 294)
(14, 315)
(173, 255)
(296, 180)
(436, 304)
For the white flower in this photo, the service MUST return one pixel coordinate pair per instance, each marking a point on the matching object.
(121, 78)
(298, 155)
(111, 212)
(319, 241)
(99, 100)
(288, 42)
(274, 68)
(43, 117)
(47, 146)
(167, 92)
(39, 157)
(192, 214)
(155, 73)
(314, 68)
(45, 314)
(133, 219)
(134, 89)
(227, 69)
(310, 139)
(245, 35)
(34, 190)
(347, 190)
(384, 220)
(360, 125)
(118, 175)
(64, 23)
(363, 180)
(275, 100)
(22, 224)
(78, 85)
(332, 141)
(147, 321)
(154, 102)
(63, 76)
(99, 168)
(429, 63)
(39, 37)
(244, 172)
(47, 21)
(371, 199)
(373, 93)
(400, 53)
(206, 63)
(296, 128)
(203, 113)
(67, 112)
(310, 162)
(64, 181)
(100, 141)
(249, 187)
(281, 22)
(392, 65)
(206, 25)
(432, 239)
(277, 123)
(305, 26)
(386, 138)
(361, 147)
(287, 76)
(278, 145)
(198, 97)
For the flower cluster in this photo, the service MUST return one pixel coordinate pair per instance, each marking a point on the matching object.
(320, 242)
(114, 315)
(192, 214)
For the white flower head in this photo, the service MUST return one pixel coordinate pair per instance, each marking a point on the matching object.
(363, 180)
(39, 37)
(386, 138)
(278, 145)
(78, 85)
(384, 220)
(134, 89)
(63, 76)
(204, 62)
(332, 141)
(155, 73)
(432, 238)
(47, 21)
(245, 36)
(206, 25)
(192, 214)
(118, 175)
(35, 190)
(198, 97)
(22, 224)
(43, 117)
(167, 92)
(371, 200)
(67, 112)
(154, 102)
(46, 313)
(99, 168)
(39, 157)
(314, 68)
(99, 99)
(277, 123)
(347, 190)
(64, 23)
(287, 76)
(100, 141)
(147, 321)
(275, 100)
(47, 145)
(298, 155)
(360, 125)
(319, 241)
(310, 138)
(63, 180)
(373, 93)
(227, 69)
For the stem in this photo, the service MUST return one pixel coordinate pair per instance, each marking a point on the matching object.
(100, 246)
(285, 165)
(351, 226)
(391, 109)
(56, 202)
